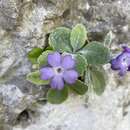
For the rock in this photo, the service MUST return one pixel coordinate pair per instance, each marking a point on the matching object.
(90, 112)
(25, 24)
(13, 102)
(9, 10)
(7, 55)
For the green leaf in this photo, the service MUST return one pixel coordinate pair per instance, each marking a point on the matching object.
(79, 87)
(59, 39)
(34, 54)
(80, 64)
(98, 81)
(34, 77)
(49, 48)
(95, 53)
(78, 36)
(87, 77)
(108, 39)
(95, 77)
(55, 96)
(102, 70)
(42, 59)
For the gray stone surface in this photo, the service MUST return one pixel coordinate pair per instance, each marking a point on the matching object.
(107, 112)
(13, 102)
(25, 24)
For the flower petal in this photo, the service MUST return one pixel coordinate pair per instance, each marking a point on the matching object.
(126, 48)
(70, 76)
(46, 73)
(115, 64)
(68, 62)
(123, 71)
(54, 59)
(129, 68)
(57, 82)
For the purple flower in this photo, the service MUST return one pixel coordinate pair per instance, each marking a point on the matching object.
(122, 61)
(60, 69)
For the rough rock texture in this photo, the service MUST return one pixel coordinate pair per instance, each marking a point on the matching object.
(25, 24)
(13, 103)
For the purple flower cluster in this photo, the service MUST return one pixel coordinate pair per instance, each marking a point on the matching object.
(122, 61)
(60, 69)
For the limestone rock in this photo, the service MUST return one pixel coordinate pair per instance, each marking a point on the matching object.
(12, 102)
(25, 24)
